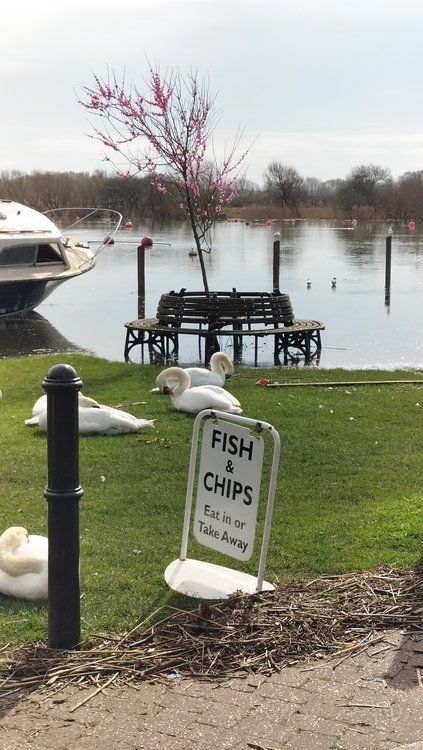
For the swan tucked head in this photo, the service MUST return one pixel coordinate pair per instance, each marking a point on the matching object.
(88, 402)
(221, 360)
(12, 538)
(178, 374)
(20, 554)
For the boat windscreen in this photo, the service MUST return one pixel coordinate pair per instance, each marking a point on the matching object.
(30, 255)
(18, 255)
(49, 253)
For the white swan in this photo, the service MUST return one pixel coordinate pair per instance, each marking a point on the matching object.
(193, 400)
(97, 419)
(23, 564)
(41, 405)
(221, 367)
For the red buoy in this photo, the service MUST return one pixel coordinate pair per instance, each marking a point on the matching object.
(129, 224)
(77, 218)
(108, 240)
(146, 241)
(411, 224)
(269, 223)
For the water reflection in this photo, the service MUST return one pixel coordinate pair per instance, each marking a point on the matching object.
(31, 334)
(364, 327)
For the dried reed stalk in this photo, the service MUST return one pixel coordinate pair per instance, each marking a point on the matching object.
(260, 633)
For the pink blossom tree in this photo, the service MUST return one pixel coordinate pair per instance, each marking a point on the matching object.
(172, 125)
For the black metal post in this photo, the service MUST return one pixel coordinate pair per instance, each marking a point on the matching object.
(63, 493)
(388, 262)
(276, 261)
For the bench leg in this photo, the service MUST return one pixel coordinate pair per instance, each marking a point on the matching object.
(163, 347)
(300, 340)
(280, 346)
(135, 337)
(210, 347)
(237, 349)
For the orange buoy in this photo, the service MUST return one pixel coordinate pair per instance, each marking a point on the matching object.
(146, 241)
(411, 224)
(129, 224)
(108, 240)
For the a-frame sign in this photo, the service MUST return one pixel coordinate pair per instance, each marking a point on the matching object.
(227, 499)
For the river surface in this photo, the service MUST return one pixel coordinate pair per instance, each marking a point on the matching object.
(364, 328)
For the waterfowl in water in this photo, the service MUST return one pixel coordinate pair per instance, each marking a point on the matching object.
(98, 419)
(334, 282)
(308, 284)
(194, 400)
(23, 564)
(221, 368)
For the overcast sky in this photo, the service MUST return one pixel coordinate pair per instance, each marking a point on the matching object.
(323, 85)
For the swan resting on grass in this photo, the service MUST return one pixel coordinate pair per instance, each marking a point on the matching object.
(23, 564)
(94, 418)
(41, 405)
(194, 400)
(221, 368)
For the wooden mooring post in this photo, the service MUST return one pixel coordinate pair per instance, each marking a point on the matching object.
(145, 242)
(388, 255)
(276, 260)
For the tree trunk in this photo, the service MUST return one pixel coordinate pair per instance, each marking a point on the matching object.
(200, 258)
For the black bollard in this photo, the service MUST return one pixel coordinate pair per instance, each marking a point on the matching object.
(63, 493)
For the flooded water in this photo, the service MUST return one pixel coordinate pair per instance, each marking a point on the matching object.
(363, 328)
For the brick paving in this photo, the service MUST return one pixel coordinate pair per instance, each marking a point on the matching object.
(372, 701)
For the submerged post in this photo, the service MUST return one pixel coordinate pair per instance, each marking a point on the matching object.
(63, 493)
(276, 260)
(388, 261)
(141, 280)
(145, 242)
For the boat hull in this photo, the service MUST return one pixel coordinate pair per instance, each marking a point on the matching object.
(23, 296)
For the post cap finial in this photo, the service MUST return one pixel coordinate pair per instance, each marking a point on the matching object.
(62, 376)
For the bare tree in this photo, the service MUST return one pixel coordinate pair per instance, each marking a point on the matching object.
(172, 124)
(409, 194)
(283, 184)
(360, 187)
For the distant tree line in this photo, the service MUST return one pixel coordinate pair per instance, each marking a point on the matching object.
(368, 192)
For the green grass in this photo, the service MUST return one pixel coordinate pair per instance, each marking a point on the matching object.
(349, 489)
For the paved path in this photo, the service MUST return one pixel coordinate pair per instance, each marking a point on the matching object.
(373, 701)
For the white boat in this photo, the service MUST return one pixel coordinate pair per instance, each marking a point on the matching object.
(36, 256)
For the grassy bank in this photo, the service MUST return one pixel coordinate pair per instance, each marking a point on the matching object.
(349, 490)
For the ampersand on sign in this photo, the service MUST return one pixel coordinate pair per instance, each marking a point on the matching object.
(230, 467)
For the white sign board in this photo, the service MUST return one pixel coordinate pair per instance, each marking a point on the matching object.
(228, 488)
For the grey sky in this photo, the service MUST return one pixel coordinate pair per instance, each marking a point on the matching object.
(323, 85)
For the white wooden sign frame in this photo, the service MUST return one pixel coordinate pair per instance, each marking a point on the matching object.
(206, 580)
